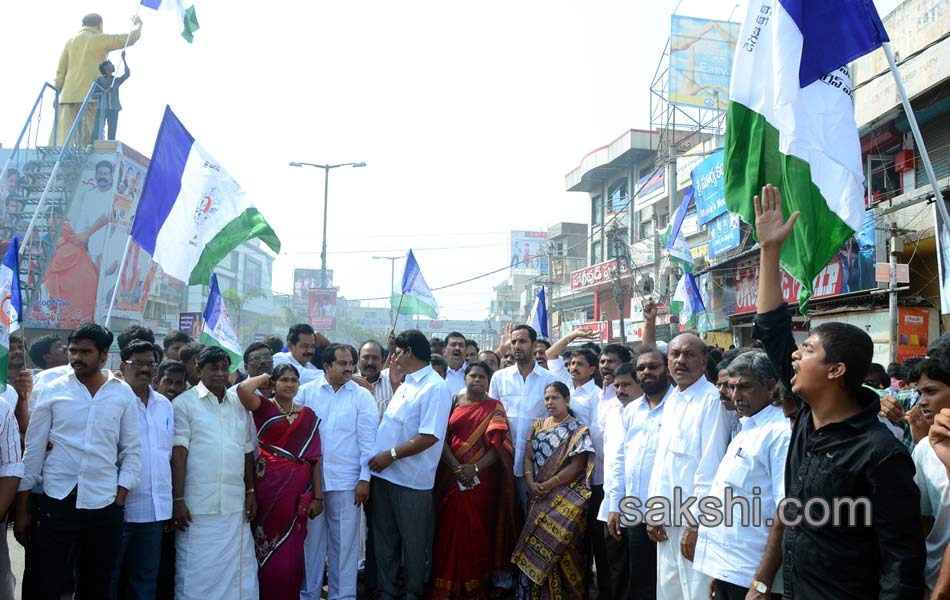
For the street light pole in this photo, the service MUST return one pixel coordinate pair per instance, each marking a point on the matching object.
(326, 194)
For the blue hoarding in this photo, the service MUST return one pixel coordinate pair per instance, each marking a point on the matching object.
(723, 234)
(708, 186)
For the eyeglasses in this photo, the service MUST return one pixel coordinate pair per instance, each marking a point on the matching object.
(140, 364)
(258, 360)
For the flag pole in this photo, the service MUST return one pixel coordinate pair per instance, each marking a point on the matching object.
(396, 320)
(132, 28)
(118, 279)
(918, 138)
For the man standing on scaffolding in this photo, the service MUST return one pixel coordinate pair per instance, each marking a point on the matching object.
(79, 68)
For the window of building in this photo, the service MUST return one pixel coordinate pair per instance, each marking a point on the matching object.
(253, 275)
(596, 210)
(617, 196)
(596, 253)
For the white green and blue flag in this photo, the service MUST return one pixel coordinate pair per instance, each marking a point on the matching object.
(411, 295)
(185, 16)
(217, 330)
(11, 311)
(687, 302)
(791, 122)
(673, 237)
(192, 213)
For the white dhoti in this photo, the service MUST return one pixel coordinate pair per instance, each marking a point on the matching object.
(214, 559)
(333, 538)
(676, 579)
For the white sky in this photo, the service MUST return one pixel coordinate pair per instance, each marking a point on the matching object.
(468, 114)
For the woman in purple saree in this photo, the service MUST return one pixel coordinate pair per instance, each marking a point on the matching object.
(289, 480)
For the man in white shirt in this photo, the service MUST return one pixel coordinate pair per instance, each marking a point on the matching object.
(632, 467)
(348, 420)
(933, 385)
(149, 504)
(693, 438)
(213, 488)
(171, 378)
(301, 343)
(520, 388)
(370, 368)
(455, 355)
(11, 471)
(408, 449)
(19, 382)
(90, 419)
(754, 467)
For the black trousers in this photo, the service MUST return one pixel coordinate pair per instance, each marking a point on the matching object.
(618, 563)
(642, 554)
(731, 591)
(95, 533)
(596, 545)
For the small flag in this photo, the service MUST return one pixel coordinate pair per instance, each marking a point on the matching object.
(687, 301)
(791, 123)
(673, 237)
(11, 311)
(218, 330)
(192, 213)
(412, 295)
(187, 20)
(538, 317)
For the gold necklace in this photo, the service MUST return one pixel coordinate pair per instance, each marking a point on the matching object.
(556, 423)
(287, 415)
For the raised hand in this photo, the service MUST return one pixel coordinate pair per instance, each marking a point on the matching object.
(770, 225)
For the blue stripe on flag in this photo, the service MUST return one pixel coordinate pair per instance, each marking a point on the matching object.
(541, 314)
(162, 180)
(834, 33)
(692, 292)
(153, 4)
(410, 273)
(213, 307)
(11, 260)
(679, 217)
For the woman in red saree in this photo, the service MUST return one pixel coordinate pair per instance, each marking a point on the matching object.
(289, 480)
(474, 496)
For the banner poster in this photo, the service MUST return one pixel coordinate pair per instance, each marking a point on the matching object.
(322, 308)
(304, 281)
(526, 250)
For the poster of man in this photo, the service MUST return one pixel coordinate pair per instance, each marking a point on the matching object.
(304, 281)
(527, 248)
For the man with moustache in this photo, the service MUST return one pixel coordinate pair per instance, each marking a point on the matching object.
(213, 496)
(348, 419)
(471, 350)
(725, 390)
(838, 449)
(94, 209)
(170, 378)
(302, 343)
(632, 467)
(693, 437)
(149, 504)
(90, 418)
(20, 382)
(370, 368)
(585, 394)
(455, 355)
(754, 467)
(520, 388)
(48, 351)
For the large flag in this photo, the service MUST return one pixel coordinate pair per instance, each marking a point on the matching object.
(673, 237)
(538, 317)
(192, 213)
(791, 122)
(687, 302)
(187, 20)
(218, 330)
(11, 311)
(411, 295)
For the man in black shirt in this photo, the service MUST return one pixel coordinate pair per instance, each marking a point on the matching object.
(873, 548)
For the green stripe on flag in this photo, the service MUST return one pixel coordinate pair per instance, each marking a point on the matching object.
(189, 24)
(248, 225)
(412, 306)
(236, 359)
(752, 159)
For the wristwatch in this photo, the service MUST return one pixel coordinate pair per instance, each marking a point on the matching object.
(760, 587)
(392, 452)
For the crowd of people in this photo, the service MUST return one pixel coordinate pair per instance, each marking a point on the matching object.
(436, 469)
